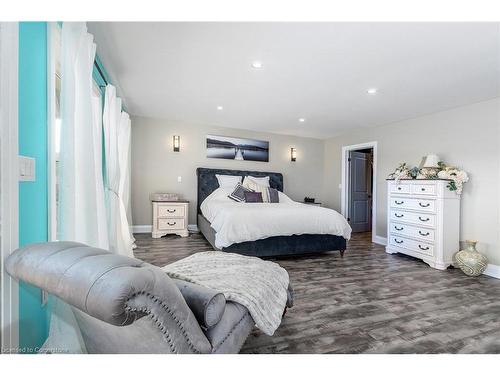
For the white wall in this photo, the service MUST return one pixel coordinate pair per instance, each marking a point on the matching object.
(467, 136)
(155, 167)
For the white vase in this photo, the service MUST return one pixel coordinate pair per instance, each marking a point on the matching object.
(470, 261)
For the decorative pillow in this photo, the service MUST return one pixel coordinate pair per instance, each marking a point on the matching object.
(226, 181)
(253, 197)
(259, 180)
(238, 194)
(253, 186)
(274, 195)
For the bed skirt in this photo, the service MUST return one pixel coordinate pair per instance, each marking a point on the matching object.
(279, 245)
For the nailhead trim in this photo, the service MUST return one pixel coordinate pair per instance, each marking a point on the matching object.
(230, 332)
(160, 325)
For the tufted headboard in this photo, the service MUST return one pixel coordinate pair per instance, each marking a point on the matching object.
(207, 182)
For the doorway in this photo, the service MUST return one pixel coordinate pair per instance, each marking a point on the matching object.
(358, 188)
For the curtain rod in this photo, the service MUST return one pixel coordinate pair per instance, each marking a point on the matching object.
(101, 74)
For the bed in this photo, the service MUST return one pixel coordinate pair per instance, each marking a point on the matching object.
(270, 245)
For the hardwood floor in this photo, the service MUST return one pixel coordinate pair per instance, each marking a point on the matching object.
(367, 302)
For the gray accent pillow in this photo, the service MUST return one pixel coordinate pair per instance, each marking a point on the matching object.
(253, 197)
(273, 194)
(238, 194)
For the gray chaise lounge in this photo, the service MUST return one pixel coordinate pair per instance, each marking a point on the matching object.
(124, 305)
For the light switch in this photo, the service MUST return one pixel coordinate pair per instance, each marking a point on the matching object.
(179, 179)
(27, 170)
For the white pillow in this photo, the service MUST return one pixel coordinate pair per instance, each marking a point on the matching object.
(252, 185)
(228, 182)
(264, 181)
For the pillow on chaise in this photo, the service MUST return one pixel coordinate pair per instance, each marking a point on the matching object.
(253, 197)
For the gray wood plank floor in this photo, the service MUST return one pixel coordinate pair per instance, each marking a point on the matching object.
(367, 302)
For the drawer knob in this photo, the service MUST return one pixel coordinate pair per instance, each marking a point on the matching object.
(423, 205)
(424, 220)
(398, 241)
(399, 202)
(171, 224)
(399, 215)
(399, 188)
(423, 234)
(396, 227)
(171, 211)
(423, 248)
(423, 189)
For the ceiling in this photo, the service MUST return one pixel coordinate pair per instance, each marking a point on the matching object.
(318, 71)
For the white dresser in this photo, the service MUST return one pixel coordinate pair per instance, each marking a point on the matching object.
(423, 220)
(170, 217)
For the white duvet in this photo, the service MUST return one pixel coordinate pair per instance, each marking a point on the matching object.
(236, 222)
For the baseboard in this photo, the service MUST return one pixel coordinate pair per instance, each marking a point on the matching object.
(380, 240)
(142, 228)
(493, 270)
(193, 228)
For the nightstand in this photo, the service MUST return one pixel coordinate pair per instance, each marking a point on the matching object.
(170, 217)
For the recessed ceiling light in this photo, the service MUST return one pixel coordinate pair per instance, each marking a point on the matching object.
(220, 108)
(257, 65)
(302, 119)
(372, 91)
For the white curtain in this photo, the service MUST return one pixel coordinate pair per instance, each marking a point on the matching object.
(117, 151)
(81, 203)
(81, 211)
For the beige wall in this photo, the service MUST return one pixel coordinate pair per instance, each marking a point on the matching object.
(155, 166)
(466, 136)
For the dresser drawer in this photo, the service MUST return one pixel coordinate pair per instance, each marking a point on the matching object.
(171, 211)
(413, 204)
(413, 218)
(400, 188)
(424, 234)
(424, 189)
(413, 245)
(170, 224)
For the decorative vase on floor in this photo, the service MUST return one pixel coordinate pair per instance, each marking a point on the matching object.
(470, 261)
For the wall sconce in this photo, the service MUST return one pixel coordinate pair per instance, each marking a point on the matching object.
(293, 154)
(177, 143)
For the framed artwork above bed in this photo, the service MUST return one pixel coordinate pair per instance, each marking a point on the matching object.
(222, 147)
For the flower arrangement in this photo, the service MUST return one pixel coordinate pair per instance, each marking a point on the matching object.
(456, 176)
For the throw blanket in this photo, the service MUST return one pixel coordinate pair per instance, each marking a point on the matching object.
(259, 285)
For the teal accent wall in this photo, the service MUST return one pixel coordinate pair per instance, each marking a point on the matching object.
(33, 196)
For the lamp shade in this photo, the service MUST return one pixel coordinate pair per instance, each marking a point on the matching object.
(431, 161)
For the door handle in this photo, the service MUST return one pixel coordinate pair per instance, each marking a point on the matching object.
(423, 234)
(396, 240)
(423, 205)
(399, 202)
(171, 211)
(424, 220)
(396, 227)
(423, 248)
(171, 224)
(398, 215)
